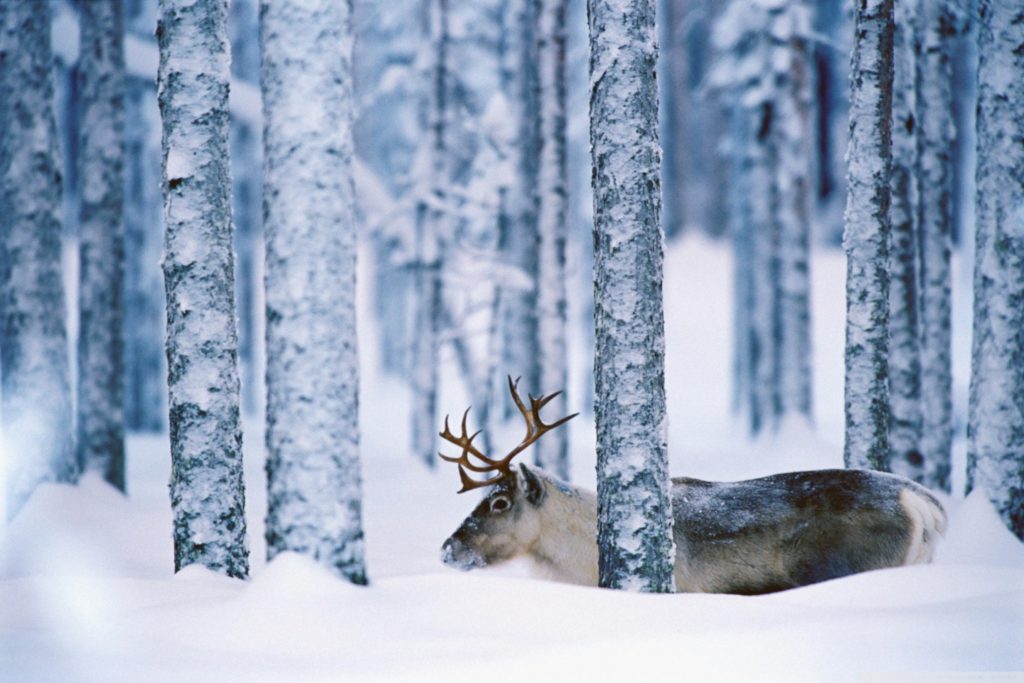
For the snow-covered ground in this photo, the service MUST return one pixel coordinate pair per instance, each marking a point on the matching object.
(87, 591)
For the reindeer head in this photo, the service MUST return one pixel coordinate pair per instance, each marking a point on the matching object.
(505, 523)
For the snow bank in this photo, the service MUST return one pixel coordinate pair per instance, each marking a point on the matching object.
(87, 591)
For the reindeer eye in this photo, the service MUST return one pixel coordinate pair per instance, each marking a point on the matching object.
(500, 504)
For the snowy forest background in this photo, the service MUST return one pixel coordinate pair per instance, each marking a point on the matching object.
(466, 274)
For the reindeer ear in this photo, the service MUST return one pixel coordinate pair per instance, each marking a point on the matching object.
(533, 487)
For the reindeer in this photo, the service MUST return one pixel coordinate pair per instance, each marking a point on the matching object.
(748, 537)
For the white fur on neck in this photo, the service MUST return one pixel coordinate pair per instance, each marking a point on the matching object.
(566, 549)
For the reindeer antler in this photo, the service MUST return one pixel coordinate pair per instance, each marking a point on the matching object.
(535, 428)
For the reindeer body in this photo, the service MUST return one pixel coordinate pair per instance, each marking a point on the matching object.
(747, 537)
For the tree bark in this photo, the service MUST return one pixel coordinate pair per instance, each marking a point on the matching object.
(207, 490)
(431, 217)
(101, 243)
(792, 133)
(521, 242)
(904, 339)
(553, 210)
(866, 238)
(995, 451)
(935, 143)
(145, 357)
(314, 491)
(35, 400)
(634, 510)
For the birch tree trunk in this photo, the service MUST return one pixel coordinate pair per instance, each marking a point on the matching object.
(935, 215)
(770, 196)
(431, 217)
(145, 357)
(207, 491)
(635, 545)
(866, 238)
(521, 350)
(101, 243)
(904, 340)
(247, 204)
(792, 131)
(314, 492)
(35, 401)
(553, 210)
(995, 455)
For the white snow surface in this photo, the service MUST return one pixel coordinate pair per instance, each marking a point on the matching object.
(87, 590)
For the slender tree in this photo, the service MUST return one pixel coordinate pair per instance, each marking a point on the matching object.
(313, 479)
(207, 490)
(832, 19)
(935, 145)
(791, 129)
(145, 359)
(35, 401)
(634, 511)
(101, 160)
(904, 341)
(431, 217)
(866, 238)
(551, 223)
(995, 452)
(765, 71)
(247, 200)
(519, 242)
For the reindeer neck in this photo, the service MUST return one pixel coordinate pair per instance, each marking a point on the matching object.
(567, 545)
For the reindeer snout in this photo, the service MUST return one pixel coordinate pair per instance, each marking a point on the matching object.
(455, 553)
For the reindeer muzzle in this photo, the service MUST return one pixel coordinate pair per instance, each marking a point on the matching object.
(457, 554)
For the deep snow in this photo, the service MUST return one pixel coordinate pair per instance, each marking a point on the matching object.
(87, 591)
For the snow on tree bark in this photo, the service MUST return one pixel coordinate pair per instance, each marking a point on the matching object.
(740, 225)
(634, 511)
(761, 158)
(247, 202)
(431, 218)
(832, 20)
(866, 238)
(792, 132)
(207, 490)
(35, 407)
(101, 243)
(995, 455)
(553, 209)
(144, 317)
(904, 341)
(314, 490)
(935, 144)
(765, 68)
(520, 303)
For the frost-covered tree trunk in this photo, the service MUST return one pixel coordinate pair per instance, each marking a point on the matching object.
(634, 529)
(995, 454)
(101, 243)
(247, 202)
(791, 129)
(314, 491)
(672, 77)
(833, 20)
(431, 216)
(765, 69)
(207, 491)
(520, 302)
(553, 208)
(904, 351)
(144, 319)
(866, 238)
(35, 401)
(935, 143)
(740, 226)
